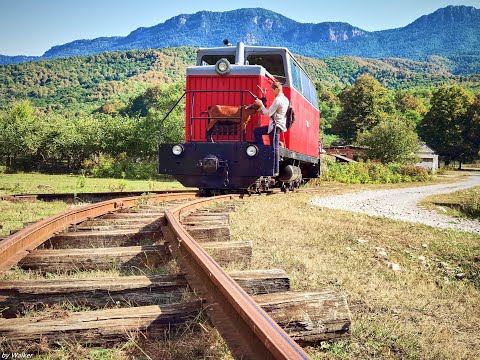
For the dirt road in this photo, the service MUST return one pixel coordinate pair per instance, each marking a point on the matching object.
(401, 204)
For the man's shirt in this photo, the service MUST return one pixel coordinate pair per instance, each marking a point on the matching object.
(277, 113)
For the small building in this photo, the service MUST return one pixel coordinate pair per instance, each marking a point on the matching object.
(428, 158)
(346, 152)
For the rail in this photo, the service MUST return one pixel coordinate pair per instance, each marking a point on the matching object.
(248, 329)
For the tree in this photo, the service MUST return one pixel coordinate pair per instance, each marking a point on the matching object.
(445, 126)
(329, 106)
(392, 140)
(410, 106)
(19, 132)
(364, 105)
(473, 129)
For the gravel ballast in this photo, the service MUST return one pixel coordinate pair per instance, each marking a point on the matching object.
(401, 204)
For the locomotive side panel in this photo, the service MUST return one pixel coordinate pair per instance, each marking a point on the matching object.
(303, 136)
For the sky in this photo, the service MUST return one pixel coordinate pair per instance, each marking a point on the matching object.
(31, 27)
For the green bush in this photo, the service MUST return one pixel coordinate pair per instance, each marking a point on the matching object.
(121, 167)
(471, 207)
(372, 172)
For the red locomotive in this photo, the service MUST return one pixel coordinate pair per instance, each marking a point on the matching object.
(219, 151)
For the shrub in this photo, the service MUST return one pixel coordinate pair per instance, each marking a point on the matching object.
(372, 173)
(417, 173)
(472, 208)
(471, 205)
(121, 167)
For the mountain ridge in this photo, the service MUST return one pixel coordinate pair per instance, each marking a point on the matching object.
(437, 33)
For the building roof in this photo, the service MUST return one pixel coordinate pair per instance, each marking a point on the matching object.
(424, 149)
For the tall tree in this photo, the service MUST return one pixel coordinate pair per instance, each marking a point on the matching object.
(410, 106)
(392, 140)
(445, 126)
(473, 128)
(19, 132)
(364, 105)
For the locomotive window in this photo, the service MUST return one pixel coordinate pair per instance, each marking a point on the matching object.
(296, 75)
(272, 63)
(212, 59)
(303, 84)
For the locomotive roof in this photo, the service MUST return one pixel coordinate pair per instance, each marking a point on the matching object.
(250, 48)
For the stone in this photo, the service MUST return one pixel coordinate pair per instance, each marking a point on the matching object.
(393, 266)
(382, 253)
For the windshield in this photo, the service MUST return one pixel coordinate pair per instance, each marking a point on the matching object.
(212, 59)
(272, 63)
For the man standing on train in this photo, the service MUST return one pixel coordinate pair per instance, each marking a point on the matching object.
(278, 122)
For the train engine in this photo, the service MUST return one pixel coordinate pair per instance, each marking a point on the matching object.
(219, 152)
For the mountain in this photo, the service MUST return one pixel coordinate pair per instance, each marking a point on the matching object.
(5, 59)
(450, 31)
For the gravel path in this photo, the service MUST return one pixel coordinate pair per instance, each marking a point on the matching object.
(401, 204)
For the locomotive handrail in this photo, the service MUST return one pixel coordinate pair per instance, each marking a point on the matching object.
(193, 92)
(197, 117)
(168, 113)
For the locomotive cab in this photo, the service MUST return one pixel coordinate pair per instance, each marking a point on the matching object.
(219, 152)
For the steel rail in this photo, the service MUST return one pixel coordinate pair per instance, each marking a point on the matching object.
(91, 195)
(17, 246)
(249, 331)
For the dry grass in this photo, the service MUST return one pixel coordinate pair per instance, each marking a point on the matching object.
(464, 203)
(195, 340)
(421, 311)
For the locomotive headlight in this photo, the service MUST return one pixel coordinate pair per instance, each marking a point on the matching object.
(222, 66)
(177, 149)
(252, 150)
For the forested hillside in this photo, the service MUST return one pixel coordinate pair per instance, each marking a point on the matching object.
(107, 81)
(86, 83)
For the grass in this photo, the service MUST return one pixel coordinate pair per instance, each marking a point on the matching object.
(17, 215)
(463, 203)
(422, 311)
(34, 183)
(195, 340)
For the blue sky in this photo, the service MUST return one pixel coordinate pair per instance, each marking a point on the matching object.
(31, 27)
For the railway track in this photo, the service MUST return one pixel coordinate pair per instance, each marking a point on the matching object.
(84, 197)
(141, 238)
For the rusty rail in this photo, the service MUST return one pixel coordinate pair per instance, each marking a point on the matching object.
(73, 197)
(17, 246)
(249, 331)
